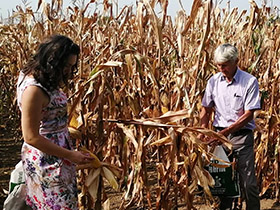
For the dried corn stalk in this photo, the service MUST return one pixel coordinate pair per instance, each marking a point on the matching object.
(146, 75)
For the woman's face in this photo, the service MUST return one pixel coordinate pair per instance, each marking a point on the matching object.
(70, 64)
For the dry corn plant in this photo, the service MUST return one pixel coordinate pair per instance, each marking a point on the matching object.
(135, 102)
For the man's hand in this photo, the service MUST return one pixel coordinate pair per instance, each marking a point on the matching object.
(201, 137)
(214, 142)
(207, 140)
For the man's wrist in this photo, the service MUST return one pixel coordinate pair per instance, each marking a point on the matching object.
(225, 132)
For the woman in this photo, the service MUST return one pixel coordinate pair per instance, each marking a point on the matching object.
(47, 155)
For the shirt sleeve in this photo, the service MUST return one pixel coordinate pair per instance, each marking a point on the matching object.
(207, 100)
(252, 100)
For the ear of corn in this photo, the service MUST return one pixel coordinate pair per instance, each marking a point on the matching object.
(95, 162)
(99, 168)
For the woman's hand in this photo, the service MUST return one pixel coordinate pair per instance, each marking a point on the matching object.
(80, 158)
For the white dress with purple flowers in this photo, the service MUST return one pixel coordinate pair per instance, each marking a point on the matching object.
(51, 181)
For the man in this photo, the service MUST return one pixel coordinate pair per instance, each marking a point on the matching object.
(233, 95)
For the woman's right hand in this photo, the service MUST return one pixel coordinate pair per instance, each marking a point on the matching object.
(80, 158)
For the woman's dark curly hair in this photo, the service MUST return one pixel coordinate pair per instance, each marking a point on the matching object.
(49, 61)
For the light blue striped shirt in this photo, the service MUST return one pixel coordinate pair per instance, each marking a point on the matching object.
(231, 99)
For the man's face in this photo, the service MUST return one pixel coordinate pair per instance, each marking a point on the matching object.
(228, 68)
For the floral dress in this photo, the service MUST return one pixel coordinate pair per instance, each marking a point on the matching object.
(51, 181)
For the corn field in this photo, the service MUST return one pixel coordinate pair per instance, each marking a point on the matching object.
(136, 98)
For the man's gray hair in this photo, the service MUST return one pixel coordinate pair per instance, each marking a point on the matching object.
(225, 53)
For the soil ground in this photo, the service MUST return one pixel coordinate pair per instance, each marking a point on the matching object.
(10, 155)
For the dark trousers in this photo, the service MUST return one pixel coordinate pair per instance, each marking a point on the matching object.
(246, 168)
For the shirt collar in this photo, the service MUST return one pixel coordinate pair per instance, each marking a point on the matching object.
(236, 76)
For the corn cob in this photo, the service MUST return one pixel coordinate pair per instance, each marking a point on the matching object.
(95, 162)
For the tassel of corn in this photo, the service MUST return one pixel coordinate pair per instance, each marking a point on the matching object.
(95, 162)
(110, 177)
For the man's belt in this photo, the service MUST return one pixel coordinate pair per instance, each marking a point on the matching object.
(240, 132)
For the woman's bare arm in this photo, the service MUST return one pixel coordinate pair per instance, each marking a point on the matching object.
(33, 101)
